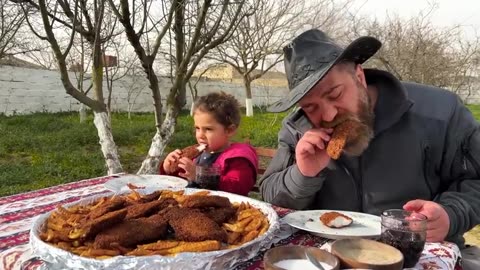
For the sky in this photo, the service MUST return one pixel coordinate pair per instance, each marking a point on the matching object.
(448, 12)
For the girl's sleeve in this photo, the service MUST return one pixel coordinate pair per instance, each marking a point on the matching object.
(239, 176)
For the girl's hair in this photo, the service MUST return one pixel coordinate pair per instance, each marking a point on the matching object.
(224, 108)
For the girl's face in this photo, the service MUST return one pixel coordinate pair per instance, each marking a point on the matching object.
(209, 131)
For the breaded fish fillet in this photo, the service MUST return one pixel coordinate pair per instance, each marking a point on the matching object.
(193, 226)
(146, 209)
(132, 232)
(335, 219)
(339, 138)
(206, 201)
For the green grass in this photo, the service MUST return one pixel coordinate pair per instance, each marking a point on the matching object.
(42, 150)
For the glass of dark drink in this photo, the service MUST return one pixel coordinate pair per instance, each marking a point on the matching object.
(405, 231)
(208, 177)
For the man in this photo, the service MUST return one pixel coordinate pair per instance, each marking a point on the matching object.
(417, 147)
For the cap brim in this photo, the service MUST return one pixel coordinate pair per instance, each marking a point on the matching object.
(359, 51)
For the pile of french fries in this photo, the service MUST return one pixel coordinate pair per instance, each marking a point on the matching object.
(249, 223)
(62, 230)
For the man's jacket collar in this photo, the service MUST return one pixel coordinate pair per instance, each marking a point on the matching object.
(392, 101)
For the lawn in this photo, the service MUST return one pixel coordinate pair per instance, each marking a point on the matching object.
(42, 150)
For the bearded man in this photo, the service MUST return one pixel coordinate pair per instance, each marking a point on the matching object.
(415, 147)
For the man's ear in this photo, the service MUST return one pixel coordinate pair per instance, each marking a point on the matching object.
(360, 75)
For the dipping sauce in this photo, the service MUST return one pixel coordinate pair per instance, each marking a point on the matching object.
(300, 264)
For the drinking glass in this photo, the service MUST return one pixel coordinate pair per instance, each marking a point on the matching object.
(406, 231)
(208, 177)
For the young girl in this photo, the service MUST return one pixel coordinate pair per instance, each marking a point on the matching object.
(217, 117)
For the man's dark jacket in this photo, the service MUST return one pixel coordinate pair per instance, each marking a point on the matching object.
(426, 146)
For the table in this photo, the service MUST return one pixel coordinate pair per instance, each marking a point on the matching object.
(17, 213)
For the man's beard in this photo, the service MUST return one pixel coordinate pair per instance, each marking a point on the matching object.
(359, 139)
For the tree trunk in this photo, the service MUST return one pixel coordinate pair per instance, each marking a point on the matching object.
(83, 113)
(109, 148)
(159, 141)
(248, 100)
(191, 108)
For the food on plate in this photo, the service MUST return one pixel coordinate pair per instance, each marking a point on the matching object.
(193, 226)
(164, 223)
(339, 138)
(129, 233)
(335, 219)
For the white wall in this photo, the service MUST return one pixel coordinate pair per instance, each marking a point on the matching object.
(24, 90)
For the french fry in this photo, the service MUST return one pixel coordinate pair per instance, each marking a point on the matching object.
(238, 226)
(248, 213)
(264, 227)
(254, 225)
(233, 236)
(160, 245)
(249, 236)
(207, 245)
(100, 252)
(201, 193)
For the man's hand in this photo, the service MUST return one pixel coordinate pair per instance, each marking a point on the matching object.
(438, 222)
(310, 152)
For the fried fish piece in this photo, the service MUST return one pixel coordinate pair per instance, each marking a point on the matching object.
(146, 209)
(189, 152)
(132, 232)
(339, 138)
(113, 204)
(220, 215)
(92, 227)
(195, 201)
(193, 226)
(335, 219)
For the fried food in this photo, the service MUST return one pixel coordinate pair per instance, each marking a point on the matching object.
(155, 224)
(193, 151)
(220, 215)
(193, 226)
(132, 232)
(146, 209)
(339, 138)
(335, 219)
(92, 227)
(189, 152)
(113, 204)
(172, 247)
(206, 201)
(249, 224)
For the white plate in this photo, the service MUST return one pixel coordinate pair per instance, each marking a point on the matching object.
(149, 181)
(364, 225)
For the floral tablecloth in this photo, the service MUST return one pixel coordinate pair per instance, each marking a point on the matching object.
(17, 213)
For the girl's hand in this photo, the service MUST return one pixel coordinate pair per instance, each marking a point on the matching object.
(189, 167)
(171, 161)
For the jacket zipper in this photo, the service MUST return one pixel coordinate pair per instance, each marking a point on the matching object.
(355, 185)
(426, 166)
